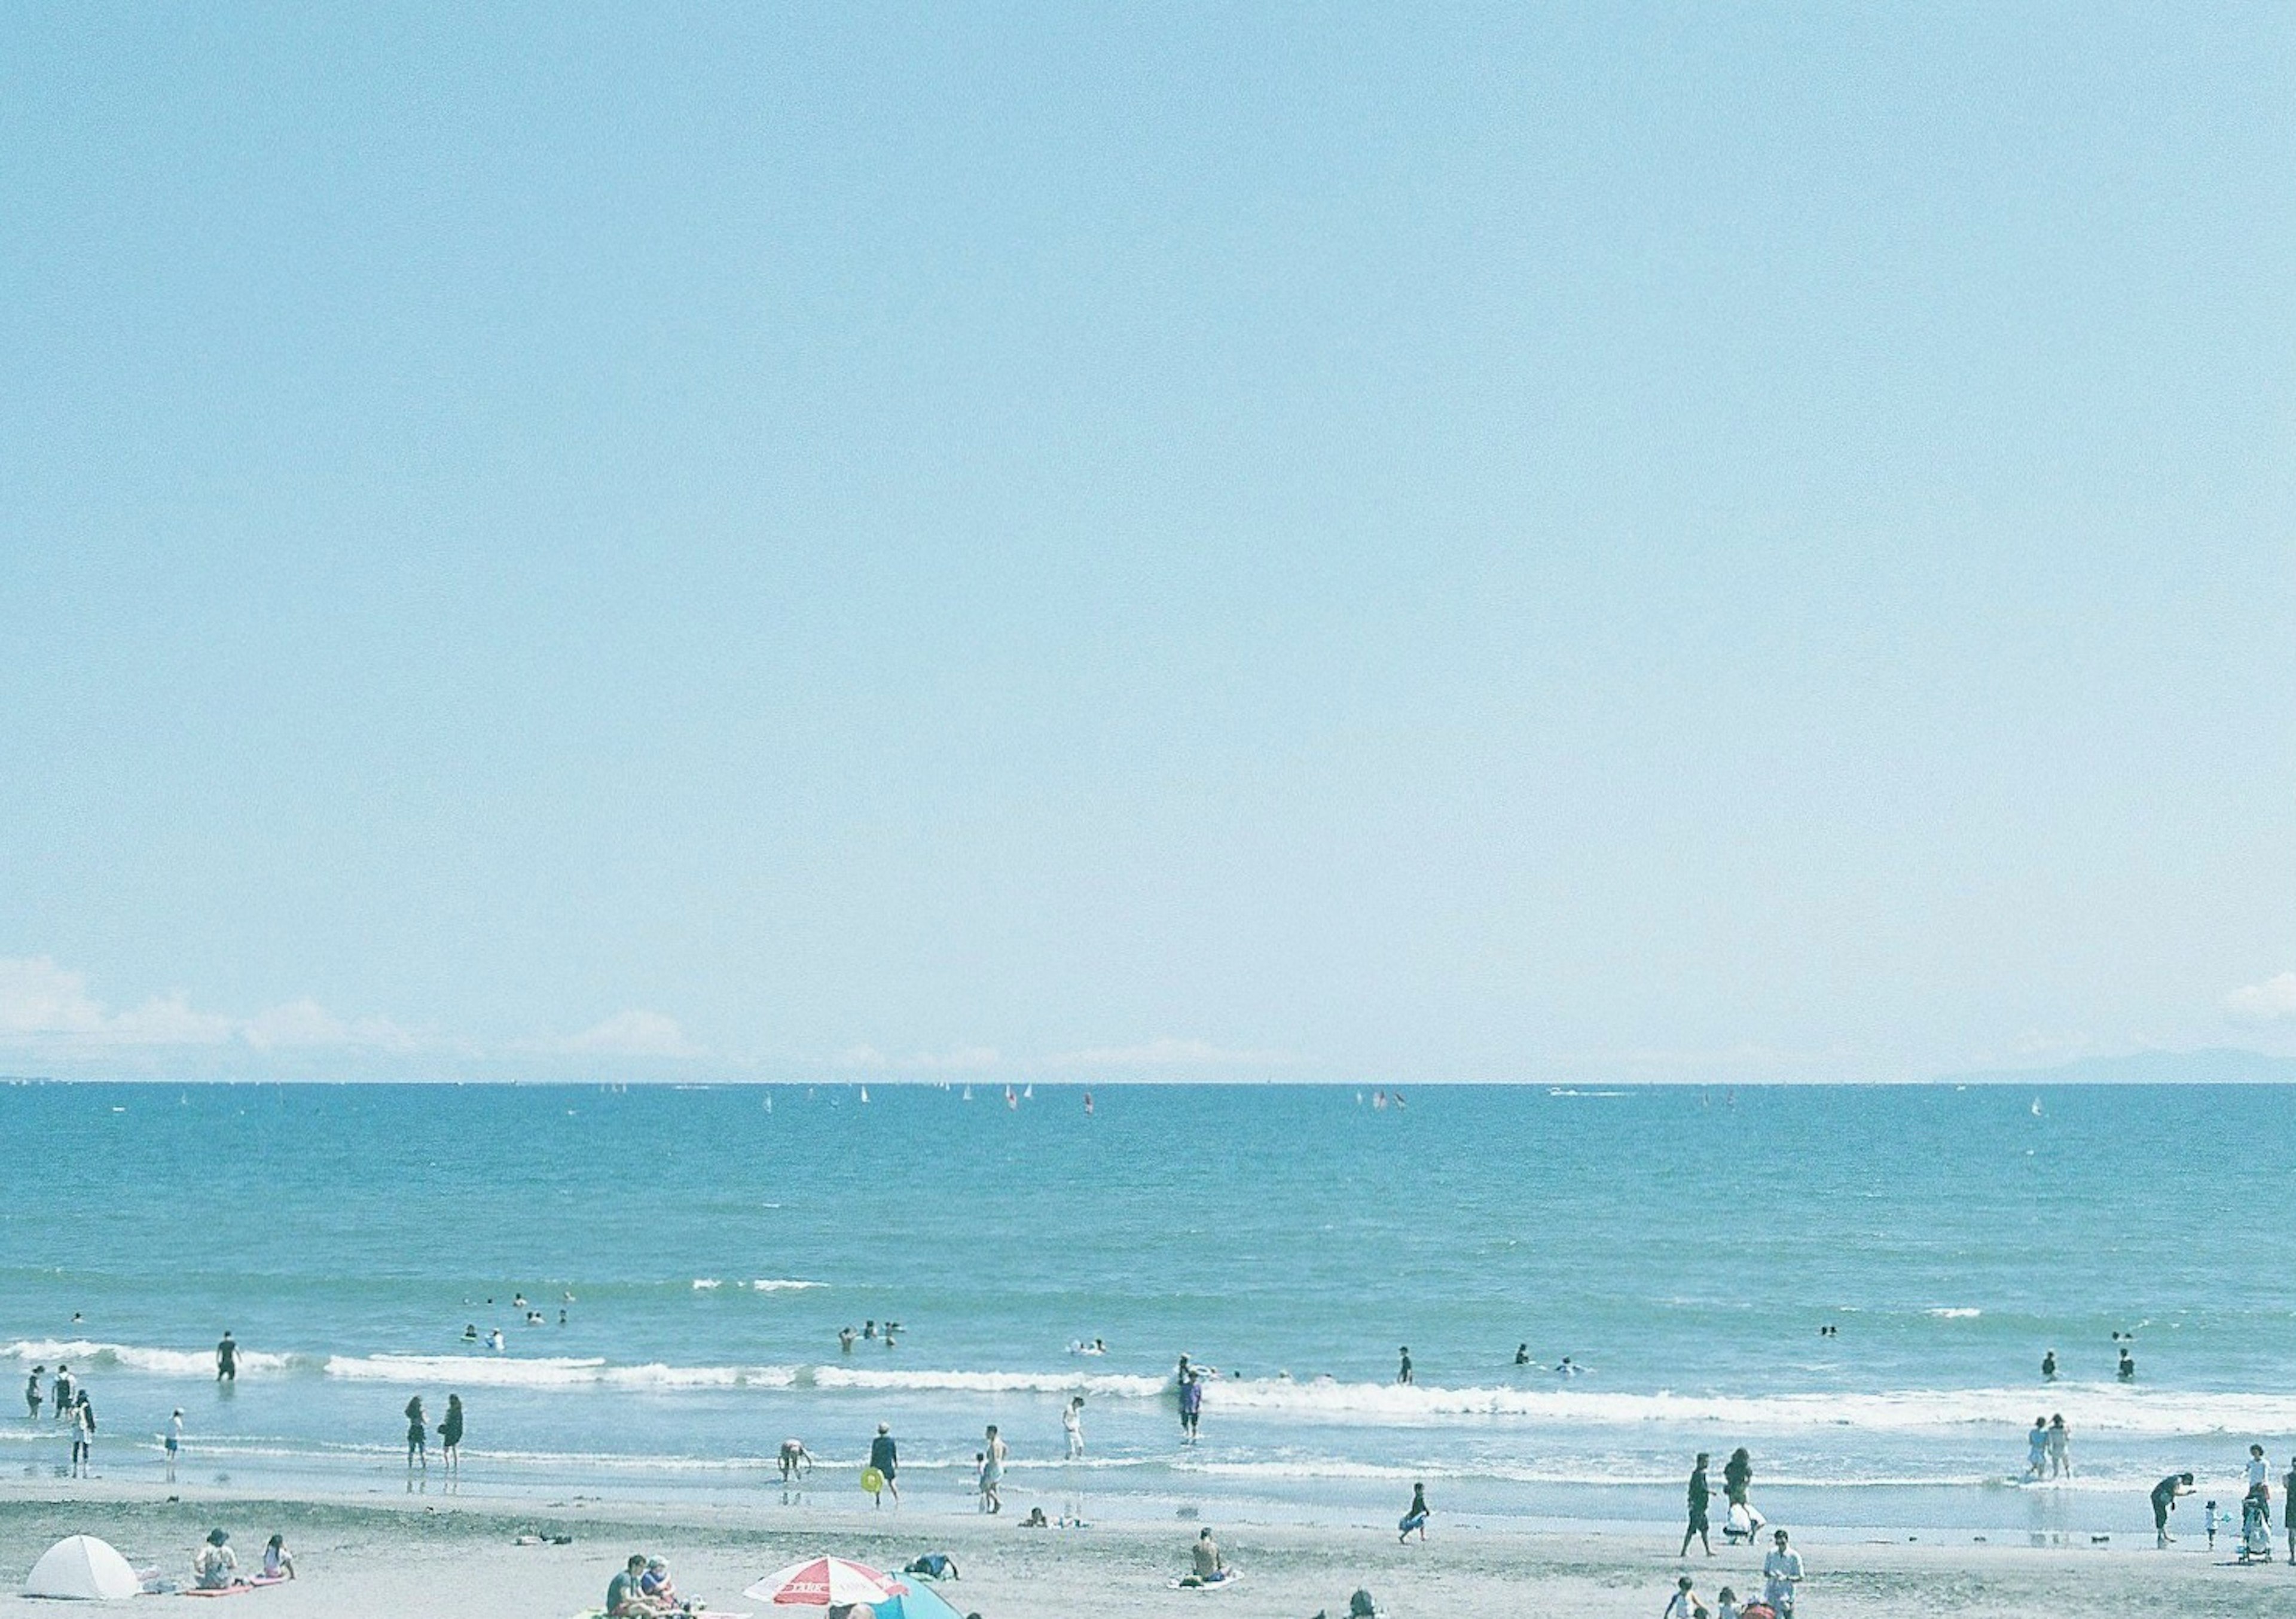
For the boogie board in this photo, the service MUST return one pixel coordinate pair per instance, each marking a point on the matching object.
(1190, 1582)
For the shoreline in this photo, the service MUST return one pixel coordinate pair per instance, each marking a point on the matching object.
(366, 1558)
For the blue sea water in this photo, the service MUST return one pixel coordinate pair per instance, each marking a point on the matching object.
(1684, 1245)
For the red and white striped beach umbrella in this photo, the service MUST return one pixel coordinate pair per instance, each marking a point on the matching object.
(824, 1582)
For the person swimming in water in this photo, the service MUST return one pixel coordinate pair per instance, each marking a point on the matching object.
(1522, 1354)
(2049, 1366)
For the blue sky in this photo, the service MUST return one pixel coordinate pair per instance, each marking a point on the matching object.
(1319, 542)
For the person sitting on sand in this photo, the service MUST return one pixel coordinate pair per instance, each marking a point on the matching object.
(277, 1563)
(215, 1566)
(1210, 1566)
(656, 1585)
(624, 1599)
(1036, 1519)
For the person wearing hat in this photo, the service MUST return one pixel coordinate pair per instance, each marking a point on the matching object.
(216, 1567)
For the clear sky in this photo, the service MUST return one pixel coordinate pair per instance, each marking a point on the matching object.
(1364, 543)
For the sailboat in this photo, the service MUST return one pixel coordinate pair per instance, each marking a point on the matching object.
(1027, 1093)
(1010, 1099)
(865, 1093)
(1088, 1102)
(968, 1094)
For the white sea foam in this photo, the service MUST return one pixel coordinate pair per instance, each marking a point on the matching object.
(2091, 1407)
(550, 1372)
(782, 1283)
(1953, 1312)
(162, 1362)
(702, 1284)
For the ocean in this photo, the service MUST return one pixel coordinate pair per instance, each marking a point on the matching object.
(1683, 1246)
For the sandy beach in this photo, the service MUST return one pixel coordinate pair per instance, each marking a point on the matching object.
(358, 1560)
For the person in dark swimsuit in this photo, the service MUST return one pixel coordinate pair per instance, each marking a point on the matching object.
(1699, 1496)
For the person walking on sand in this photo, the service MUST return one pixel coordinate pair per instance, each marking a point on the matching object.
(1737, 1476)
(1072, 1424)
(450, 1435)
(1781, 1573)
(418, 1454)
(885, 1457)
(226, 1359)
(1415, 1517)
(2164, 1502)
(992, 1471)
(1700, 1494)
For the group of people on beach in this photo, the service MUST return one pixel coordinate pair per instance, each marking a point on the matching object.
(643, 1590)
(1782, 1567)
(74, 1407)
(215, 1565)
(450, 1436)
(2255, 1519)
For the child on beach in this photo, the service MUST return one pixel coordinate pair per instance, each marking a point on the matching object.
(981, 1480)
(1725, 1604)
(1685, 1602)
(2210, 1518)
(1072, 1424)
(277, 1564)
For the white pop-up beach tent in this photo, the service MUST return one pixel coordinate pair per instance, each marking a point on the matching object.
(82, 1567)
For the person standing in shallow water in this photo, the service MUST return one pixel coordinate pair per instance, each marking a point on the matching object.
(1403, 1371)
(450, 1435)
(227, 1360)
(418, 1454)
(1700, 1494)
(2049, 1366)
(2060, 1448)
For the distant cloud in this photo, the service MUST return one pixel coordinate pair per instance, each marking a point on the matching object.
(1171, 1053)
(47, 1005)
(858, 1056)
(2269, 1002)
(632, 1034)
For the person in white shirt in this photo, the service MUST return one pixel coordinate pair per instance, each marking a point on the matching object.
(1725, 1604)
(1780, 1573)
(2257, 1472)
(1072, 1422)
(1685, 1602)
